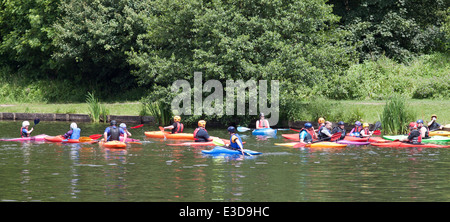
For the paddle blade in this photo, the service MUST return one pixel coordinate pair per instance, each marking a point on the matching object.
(36, 121)
(299, 145)
(161, 128)
(295, 130)
(377, 132)
(95, 136)
(85, 139)
(218, 142)
(335, 136)
(242, 129)
(138, 126)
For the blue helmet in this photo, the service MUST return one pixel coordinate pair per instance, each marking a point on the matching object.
(340, 123)
(308, 125)
(419, 121)
(231, 129)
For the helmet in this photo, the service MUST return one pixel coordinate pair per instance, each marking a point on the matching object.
(113, 122)
(365, 125)
(231, 129)
(202, 123)
(419, 121)
(340, 123)
(321, 120)
(413, 125)
(176, 118)
(358, 123)
(25, 123)
(123, 125)
(308, 125)
(73, 125)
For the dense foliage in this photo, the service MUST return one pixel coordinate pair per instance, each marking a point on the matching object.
(128, 49)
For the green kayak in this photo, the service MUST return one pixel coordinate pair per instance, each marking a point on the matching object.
(430, 140)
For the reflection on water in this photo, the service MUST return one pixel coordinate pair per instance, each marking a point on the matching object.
(153, 171)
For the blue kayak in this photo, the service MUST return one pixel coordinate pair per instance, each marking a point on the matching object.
(264, 132)
(223, 150)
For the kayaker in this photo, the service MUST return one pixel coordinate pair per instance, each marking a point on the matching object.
(414, 136)
(176, 127)
(124, 127)
(113, 132)
(305, 133)
(73, 133)
(365, 132)
(200, 134)
(357, 129)
(235, 140)
(325, 132)
(340, 128)
(433, 125)
(423, 129)
(262, 122)
(24, 132)
(321, 123)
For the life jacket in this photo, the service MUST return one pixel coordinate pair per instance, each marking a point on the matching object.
(75, 133)
(308, 138)
(416, 139)
(23, 134)
(356, 131)
(366, 132)
(263, 125)
(235, 145)
(179, 128)
(195, 135)
(338, 129)
(114, 133)
(323, 135)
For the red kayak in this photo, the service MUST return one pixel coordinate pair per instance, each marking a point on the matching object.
(403, 144)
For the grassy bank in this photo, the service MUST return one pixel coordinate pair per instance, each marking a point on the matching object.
(370, 110)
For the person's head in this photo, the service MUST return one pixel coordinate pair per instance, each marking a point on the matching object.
(25, 124)
(308, 125)
(202, 123)
(419, 123)
(328, 124)
(341, 124)
(412, 125)
(366, 125)
(113, 122)
(433, 117)
(231, 129)
(176, 118)
(321, 120)
(73, 125)
(357, 123)
(261, 115)
(123, 126)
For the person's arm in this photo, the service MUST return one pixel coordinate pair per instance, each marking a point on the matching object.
(125, 135)
(105, 134)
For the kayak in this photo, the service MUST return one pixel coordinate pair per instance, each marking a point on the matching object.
(223, 150)
(439, 133)
(264, 132)
(403, 144)
(113, 144)
(31, 138)
(61, 139)
(291, 136)
(430, 140)
(372, 139)
(168, 135)
(199, 143)
(352, 142)
(318, 144)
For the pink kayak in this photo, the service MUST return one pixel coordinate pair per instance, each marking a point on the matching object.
(40, 137)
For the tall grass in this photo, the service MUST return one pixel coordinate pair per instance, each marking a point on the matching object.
(161, 112)
(97, 111)
(396, 116)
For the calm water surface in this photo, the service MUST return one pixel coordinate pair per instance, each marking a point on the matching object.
(153, 171)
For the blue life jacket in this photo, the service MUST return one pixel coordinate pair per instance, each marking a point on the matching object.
(235, 145)
(75, 133)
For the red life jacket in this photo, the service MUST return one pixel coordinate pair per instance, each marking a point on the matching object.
(179, 128)
(261, 125)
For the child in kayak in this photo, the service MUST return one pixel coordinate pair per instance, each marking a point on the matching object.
(422, 129)
(357, 129)
(123, 126)
(433, 125)
(414, 136)
(200, 134)
(176, 127)
(340, 128)
(365, 132)
(305, 133)
(113, 132)
(24, 132)
(235, 140)
(325, 132)
(73, 133)
(262, 123)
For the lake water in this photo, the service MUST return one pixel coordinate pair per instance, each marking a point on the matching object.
(155, 172)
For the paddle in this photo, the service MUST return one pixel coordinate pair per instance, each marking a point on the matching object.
(138, 126)
(95, 136)
(332, 138)
(219, 142)
(375, 127)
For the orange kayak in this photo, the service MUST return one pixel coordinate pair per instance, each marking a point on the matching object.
(113, 144)
(168, 135)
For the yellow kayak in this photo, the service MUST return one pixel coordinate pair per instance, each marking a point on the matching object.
(439, 133)
(319, 144)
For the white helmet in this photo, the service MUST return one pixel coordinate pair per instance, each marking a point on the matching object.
(25, 123)
(123, 125)
(73, 125)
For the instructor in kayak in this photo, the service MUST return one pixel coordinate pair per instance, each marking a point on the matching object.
(176, 127)
(113, 132)
(433, 125)
(235, 140)
(262, 123)
(200, 134)
(73, 133)
(24, 132)
(305, 133)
